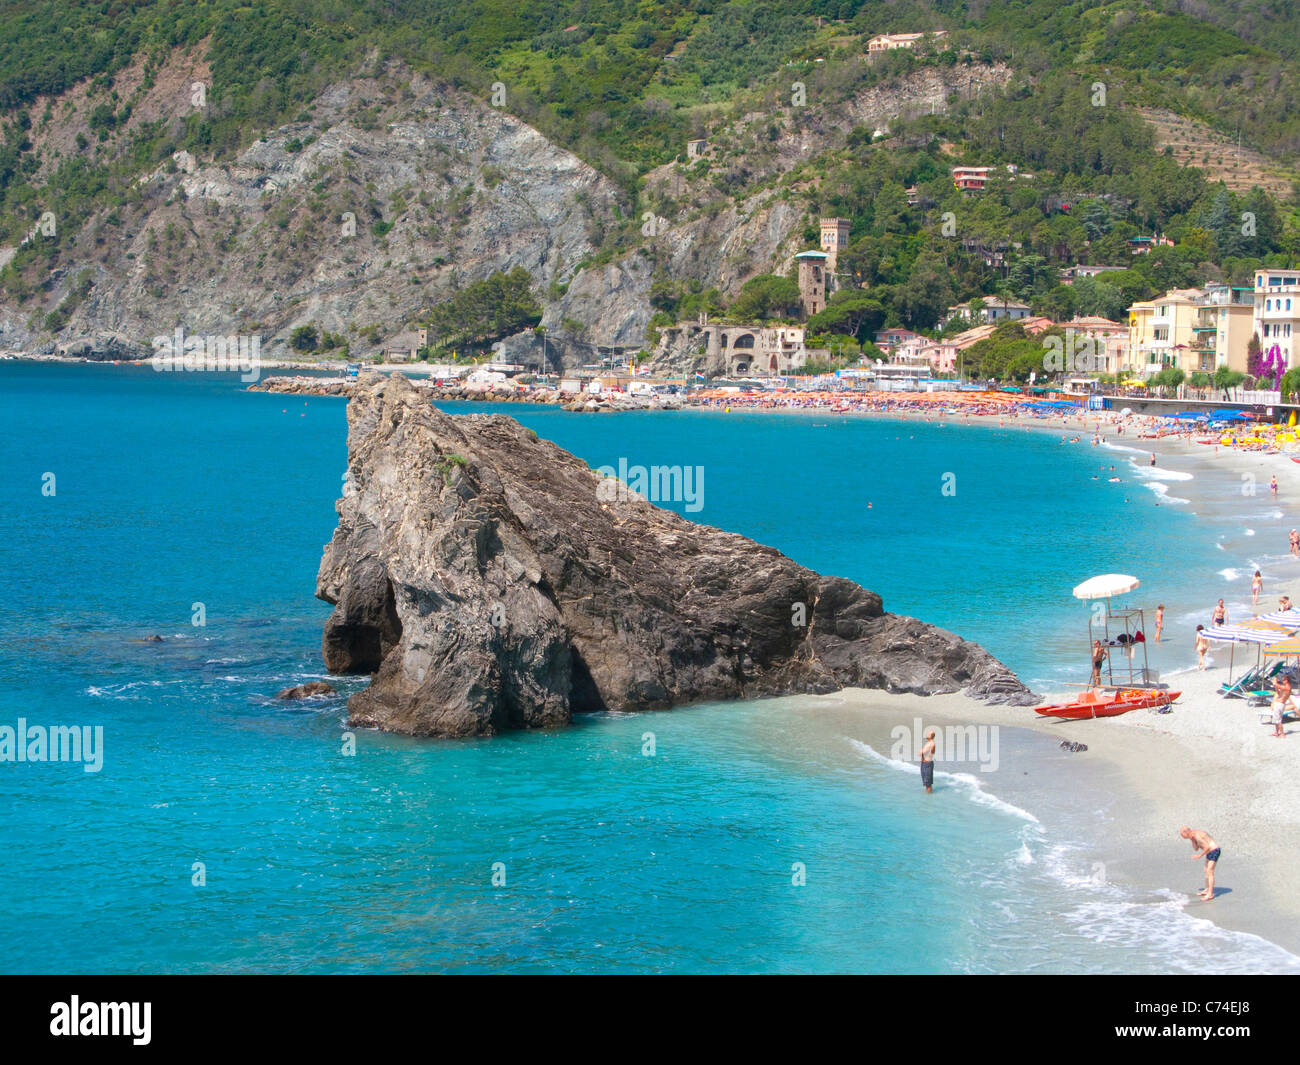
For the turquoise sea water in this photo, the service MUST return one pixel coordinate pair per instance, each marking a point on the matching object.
(173, 490)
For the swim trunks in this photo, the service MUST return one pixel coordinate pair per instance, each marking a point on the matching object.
(927, 774)
(1213, 856)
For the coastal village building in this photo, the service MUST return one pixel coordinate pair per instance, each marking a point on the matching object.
(1276, 311)
(974, 178)
(887, 42)
(941, 355)
(696, 149)
(994, 310)
(1073, 273)
(743, 350)
(835, 238)
(1142, 245)
(1223, 327)
(812, 281)
(1109, 341)
(1160, 331)
(405, 346)
(888, 340)
(971, 178)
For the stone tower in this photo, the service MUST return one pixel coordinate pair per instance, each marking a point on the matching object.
(835, 238)
(812, 281)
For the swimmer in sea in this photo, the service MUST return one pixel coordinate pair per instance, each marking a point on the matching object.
(1204, 847)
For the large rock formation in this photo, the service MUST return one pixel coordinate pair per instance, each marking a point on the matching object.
(491, 580)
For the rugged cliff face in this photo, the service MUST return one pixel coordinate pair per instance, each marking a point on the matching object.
(492, 581)
(393, 191)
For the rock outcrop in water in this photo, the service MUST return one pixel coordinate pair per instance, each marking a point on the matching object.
(492, 581)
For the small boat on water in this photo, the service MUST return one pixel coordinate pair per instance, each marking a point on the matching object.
(1108, 704)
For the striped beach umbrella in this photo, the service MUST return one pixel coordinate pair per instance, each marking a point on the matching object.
(1245, 634)
(1288, 619)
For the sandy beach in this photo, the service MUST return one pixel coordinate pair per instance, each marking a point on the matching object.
(1209, 763)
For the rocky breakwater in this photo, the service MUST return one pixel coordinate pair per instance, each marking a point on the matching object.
(490, 580)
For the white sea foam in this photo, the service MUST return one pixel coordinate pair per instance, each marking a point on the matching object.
(1153, 926)
(1249, 532)
(969, 784)
(1230, 574)
(125, 690)
(1157, 473)
(1162, 490)
(1159, 925)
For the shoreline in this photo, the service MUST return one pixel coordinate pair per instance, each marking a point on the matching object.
(1159, 778)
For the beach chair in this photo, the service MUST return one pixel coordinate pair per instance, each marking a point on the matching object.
(1253, 681)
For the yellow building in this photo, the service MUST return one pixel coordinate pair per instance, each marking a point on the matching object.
(1225, 320)
(1160, 332)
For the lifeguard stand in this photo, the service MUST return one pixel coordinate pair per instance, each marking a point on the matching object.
(1119, 630)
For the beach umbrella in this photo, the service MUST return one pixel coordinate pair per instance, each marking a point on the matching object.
(1284, 649)
(1260, 634)
(1105, 586)
(1288, 619)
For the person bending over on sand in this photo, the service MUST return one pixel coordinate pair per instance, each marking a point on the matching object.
(1220, 615)
(927, 761)
(1202, 645)
(1282, 705)
(1099, 654)
(1160, 621)
(1204, 846)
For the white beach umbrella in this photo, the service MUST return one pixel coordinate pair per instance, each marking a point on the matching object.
(1105, 586)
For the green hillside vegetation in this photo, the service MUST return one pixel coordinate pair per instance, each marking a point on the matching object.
(624, 83)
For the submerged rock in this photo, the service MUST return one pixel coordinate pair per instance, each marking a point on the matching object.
(490, 581)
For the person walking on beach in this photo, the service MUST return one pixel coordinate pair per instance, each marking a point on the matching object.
(1220, 615)
(1272, 486)
(1160, 621)
(1202, 645)
(1256, 586)
(1099, 654)
(1295, 544)
(1205, 847)
(927, 761)
(1153, 458)
(1282, 705)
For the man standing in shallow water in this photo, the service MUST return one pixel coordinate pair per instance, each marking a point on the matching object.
(1205, 847)
(927, 761)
